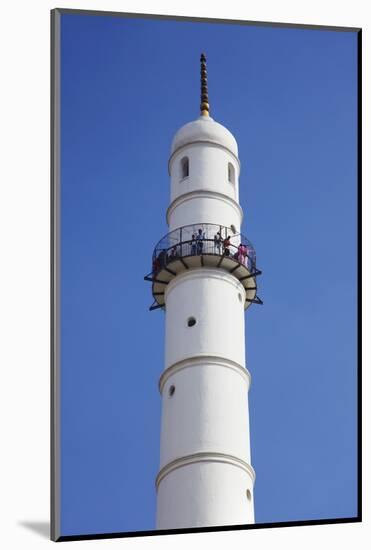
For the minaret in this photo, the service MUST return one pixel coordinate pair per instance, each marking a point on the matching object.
(204, 277)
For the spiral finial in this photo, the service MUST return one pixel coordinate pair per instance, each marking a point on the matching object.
(204, 107)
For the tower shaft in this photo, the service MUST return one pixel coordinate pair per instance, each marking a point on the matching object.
(205, 473)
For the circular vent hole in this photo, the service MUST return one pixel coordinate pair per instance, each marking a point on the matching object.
(191, 322)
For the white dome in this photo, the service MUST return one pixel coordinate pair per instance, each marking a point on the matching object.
(204, 129)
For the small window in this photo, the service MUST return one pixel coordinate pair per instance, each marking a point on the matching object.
(231, 178)
(191, 322)
(240, 296)
(184, 164)
(171, 391)
(248, 494)
(234, 230)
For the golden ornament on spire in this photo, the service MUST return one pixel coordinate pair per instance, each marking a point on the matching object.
(204, 107)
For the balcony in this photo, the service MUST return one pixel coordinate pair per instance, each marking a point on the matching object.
(203, 245)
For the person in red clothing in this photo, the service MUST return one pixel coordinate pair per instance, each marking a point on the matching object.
(242, 254)
(226, 245)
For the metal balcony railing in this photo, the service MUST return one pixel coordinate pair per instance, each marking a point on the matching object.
(203, 238)
(203, 245)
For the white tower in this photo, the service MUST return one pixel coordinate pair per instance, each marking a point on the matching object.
(204, 282)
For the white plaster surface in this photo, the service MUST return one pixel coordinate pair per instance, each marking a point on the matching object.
(204, 128)
(211, 297)
(206, 195)
(204, 494)
(208, 169)
(208, 411)
(204, 207)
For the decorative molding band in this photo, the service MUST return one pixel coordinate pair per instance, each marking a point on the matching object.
(204, 457)
(202, 193)
(204, 360)
(202, 142)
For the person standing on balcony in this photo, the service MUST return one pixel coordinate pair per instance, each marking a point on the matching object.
(193, 246)
(226, 245)
(199, 238)
(217, 243)
(162, 258)
(242, 254)
(173, 254)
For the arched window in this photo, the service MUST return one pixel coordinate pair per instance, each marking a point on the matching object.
(184, 164)
(231, 177)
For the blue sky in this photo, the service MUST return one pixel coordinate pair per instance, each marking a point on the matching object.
(289, 97)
